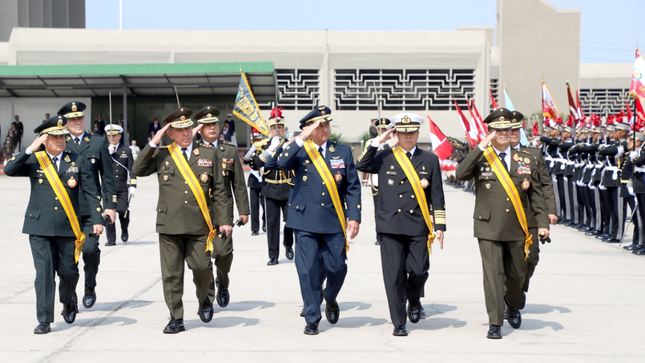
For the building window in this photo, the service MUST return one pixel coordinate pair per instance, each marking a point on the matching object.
(494, 89)
(298, 89)
(402, 89)
(604, 101)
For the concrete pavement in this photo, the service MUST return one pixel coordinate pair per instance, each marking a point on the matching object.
(585, 302)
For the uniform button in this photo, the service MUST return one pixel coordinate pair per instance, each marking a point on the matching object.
(402, 182)
(480, 217)
(323, 183)
(55, 208)
(508, 199)
(399, 211)
(411, 211)
(400, 195)
(412, 196)
(185, 202)
(55, 198)
(185, 192)
(323, 193)
(507, 211)
(116, 176)
(322, 204)
(186, 182)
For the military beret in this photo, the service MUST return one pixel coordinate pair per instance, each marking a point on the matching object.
(320, 113)
(207, 115)
(112, 130)
(406, 123)
(72, 109)
(53, 126)
(180, 118)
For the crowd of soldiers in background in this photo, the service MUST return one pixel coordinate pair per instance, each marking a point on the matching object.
(598, 172)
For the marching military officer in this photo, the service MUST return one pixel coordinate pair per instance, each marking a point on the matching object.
(255, 184)
(59, 181)
(191, 197)
(410, 194)
(277, 184)
(549, 200)
(126, 182)
(324, 211)
(233, 175)
(506, 181)
(94, 149)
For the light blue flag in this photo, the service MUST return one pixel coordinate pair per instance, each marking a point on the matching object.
(509, 104)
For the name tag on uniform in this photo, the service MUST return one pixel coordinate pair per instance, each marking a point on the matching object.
(337, 163)
(205, 162)
(123, 156)
(72, 169)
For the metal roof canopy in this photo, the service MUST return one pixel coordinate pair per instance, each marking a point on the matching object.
(158, 79)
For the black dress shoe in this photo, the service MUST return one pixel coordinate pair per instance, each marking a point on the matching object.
(69, 312)
(302, 312)
(125, 236)
(110, 244)
(422, 313)
(42, 328)
(514, 316)
(592, 233)
(311, 329)
(272, 261)
(332, 312)
(611, 240)
(602, 236)
(414, 312)
(639, 252)
(255, 233)
(174, 326)
(288, 253)
(89, 298)
(631, 247)
(400, 331)
(523, 300)
(223, 296)
(494, 332)
(206, 311)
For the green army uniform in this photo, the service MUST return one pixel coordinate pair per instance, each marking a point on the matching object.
(51, 236)
(501, 237)
(234, 184)
(183, 232)
(94, 149)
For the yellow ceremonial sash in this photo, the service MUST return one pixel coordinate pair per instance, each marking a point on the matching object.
(63, 197)
(196, 188)
(502, 174)
(413, 177)
(330, 183)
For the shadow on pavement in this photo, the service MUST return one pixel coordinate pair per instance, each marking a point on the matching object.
(110, 306)
(438, 323)
(223, 322)
(438, 309)
(245, 306)
(544, 309)
(353, 322)
(353, 305)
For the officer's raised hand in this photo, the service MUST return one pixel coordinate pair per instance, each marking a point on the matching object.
(385, 136)
(37, 143)
(196, 129)
(157, 139)
(486, 140)
(307, 130)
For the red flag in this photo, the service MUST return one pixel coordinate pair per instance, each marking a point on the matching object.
(440, 144)
(573, 109)
(637, 88)
(630, 115)
(470, 134)
(479, 118)
(582, 115)
(536, 130)
(549, 107)
(480, 131)
(639, 110)
(492, 99)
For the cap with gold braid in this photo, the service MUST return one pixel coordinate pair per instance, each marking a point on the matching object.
(207, 115)
(516, 121)
(406, 123)
(276, 117)
(381, 123)
(112, 130)
(54, 126)
(180, 118)
(499, 119)
(320, 113)
(72, 109)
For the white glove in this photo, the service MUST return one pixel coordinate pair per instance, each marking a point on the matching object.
(621, 151)
(630, 190)
(602, 187)
(633, 155)
(249, 154)
(112, 149)
(274, 143)
(131, 191)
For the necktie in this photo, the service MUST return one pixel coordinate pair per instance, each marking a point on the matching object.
(77, 140)
(320, 150)
(502, 158)
(409, 155)
(184, 151)
(55, 161)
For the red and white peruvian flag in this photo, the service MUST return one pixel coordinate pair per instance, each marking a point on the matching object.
(440, 144)
(637, 88)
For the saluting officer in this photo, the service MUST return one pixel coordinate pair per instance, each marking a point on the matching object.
(59, 180)
(233, 175)
(191, 197)
(549, 200)
(380, 126)
(126, 182)
(324, 211)
(410, 194)
(94, 149)
(506, 181)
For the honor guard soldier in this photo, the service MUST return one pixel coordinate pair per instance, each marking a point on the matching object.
(380, 125)
(255, 184)
(277, 184)
(191, 197)
(637, 158)
(126, 182)
(506, 181)
(94, 149)
(324, 212)
(233, 176)
(410, 195)
(59, 181)
(549, 200)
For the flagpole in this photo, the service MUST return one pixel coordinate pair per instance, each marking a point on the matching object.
(177, 95)
(110, 99)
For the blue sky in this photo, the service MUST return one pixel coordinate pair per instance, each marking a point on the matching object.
(610, 29)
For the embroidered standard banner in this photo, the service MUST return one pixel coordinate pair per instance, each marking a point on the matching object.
(196, 188)
(502, 174)
(330, 183)
(63, 197)
(247, 109)
(413, 177)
